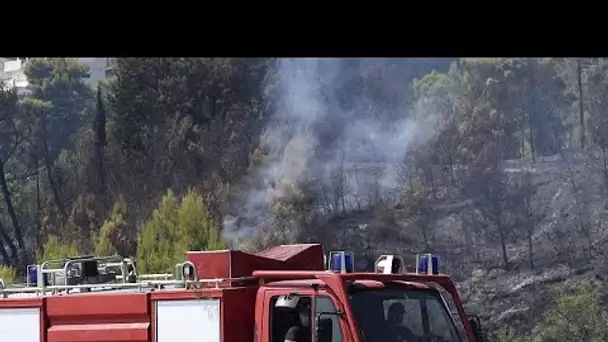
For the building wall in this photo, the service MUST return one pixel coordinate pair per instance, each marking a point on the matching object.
(97, 68)
(13, 76)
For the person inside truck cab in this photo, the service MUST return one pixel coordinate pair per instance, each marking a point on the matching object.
(300, 332)
(399, 332)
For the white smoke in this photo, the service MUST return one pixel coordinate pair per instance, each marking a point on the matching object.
(315, 134)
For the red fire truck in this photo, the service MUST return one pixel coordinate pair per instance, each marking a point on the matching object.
(233, 296)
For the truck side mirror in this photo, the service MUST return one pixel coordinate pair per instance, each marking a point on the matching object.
(475, 324)
(324, 329)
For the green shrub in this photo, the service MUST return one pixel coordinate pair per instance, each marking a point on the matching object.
(7, 274)
(574, 317)
(174, 229)
(54, 249)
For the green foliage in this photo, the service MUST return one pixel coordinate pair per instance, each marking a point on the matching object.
(418, 207)
(200, 232)
(510, 335)
(35, 108)
(49, 77)
(579, 316)
(431, 84)
(597, 101)
(115, 235)
(11, 123)
(81, 222)
(7, 275)
(175, 228)
(155, 247)
(54, 110)
(60, 82)
(202, 116)
(101, 242)
(13, 133)
(54, 249)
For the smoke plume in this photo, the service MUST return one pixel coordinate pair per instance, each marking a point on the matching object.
(336, 124)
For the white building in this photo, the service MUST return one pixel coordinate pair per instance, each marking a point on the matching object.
(12, 74)
(11, 71)
(99, 68)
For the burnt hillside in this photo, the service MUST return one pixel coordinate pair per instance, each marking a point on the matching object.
(471, 253)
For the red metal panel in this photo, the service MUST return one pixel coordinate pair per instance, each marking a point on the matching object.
(238, 309)
(111, 332)
(32, 302)
(99, 317)
(152, 321)
(234, 264)
(212, 264)
(297, 257)
(229, 264)
(243, 264)
(29, 303)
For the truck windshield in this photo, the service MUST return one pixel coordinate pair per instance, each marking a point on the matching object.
(402, 315)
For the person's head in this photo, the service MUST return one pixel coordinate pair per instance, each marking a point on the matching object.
(304, 313)
(395, 313)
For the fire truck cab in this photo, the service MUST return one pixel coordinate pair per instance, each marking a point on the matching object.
(232, 296)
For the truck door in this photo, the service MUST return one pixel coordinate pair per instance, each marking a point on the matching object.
(325, 307)
(281, 318)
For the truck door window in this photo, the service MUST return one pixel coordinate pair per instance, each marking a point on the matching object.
(283, 319)
(326, 304)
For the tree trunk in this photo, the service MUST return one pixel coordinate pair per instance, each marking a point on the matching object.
(530, 250)
(531, 106)
(431, 179)
(5, 258)
(49, 172)
(425, 236)
(451, 166)
(99, 129)
(503, 245)
(101, 169)
(356, 191)
(581, 109)
(531, 137)
(530, 231)
(39, 232)
(11, 210)
(605, 161)
(8, 259)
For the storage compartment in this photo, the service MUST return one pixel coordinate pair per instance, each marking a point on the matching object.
(20, 324)
(117, 317)
(235, 264)
(192, 320)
